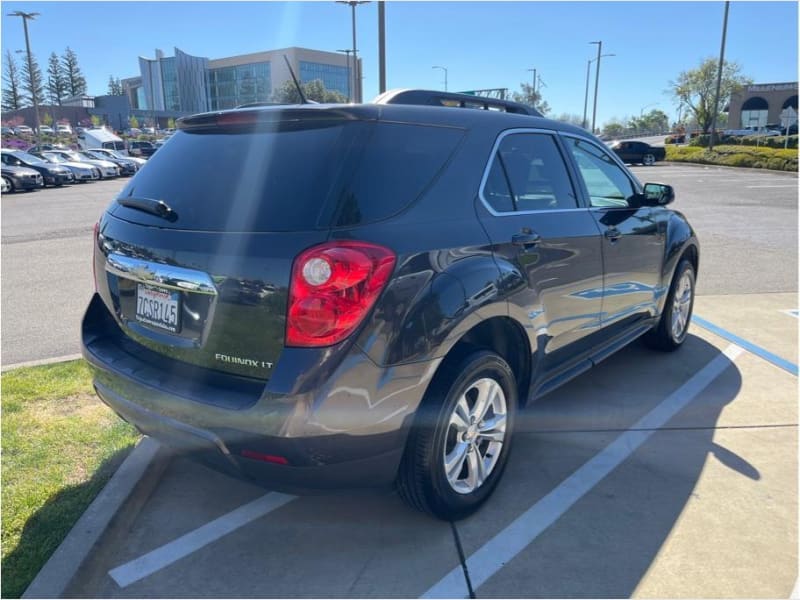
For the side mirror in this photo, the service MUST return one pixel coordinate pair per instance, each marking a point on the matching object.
(658, 194)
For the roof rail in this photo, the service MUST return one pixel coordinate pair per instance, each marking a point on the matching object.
(435, 98)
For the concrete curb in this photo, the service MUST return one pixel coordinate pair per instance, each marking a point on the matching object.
(61, 568)
(40, 362)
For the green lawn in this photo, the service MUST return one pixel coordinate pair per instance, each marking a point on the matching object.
(60, 445)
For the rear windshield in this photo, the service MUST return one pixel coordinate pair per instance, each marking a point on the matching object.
(315, 176)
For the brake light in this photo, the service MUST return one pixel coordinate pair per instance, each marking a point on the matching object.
(333, 287)
(94, 254)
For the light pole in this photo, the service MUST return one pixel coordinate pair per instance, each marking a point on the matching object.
(586, 94)
(719, 78)
(534, 83)
(349, 92)
(356, 73)
(25, 16)
(596, 82)
(445, 75)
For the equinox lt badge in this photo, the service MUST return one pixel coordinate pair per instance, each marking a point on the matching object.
(248, 362)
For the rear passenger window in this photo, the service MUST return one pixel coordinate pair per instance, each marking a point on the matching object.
(528, 174)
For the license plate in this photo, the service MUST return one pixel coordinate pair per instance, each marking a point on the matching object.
(159, 308)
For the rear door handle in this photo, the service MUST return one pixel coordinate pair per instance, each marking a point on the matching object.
(613, 234)
(526, 240)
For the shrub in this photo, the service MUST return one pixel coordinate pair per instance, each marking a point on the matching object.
(737, 156)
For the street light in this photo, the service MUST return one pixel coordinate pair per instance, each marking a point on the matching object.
(586, 95)
(25, 16)
(349, 94)
(445, 75)
(596, 81)
(534, 82)
(356, 88)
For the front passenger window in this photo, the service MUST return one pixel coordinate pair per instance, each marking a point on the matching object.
(607, 183)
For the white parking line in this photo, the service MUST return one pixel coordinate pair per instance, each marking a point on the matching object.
(753, 187)
(159, 558)
(503, 547)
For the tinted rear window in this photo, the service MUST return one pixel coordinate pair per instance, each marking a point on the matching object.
(297, 179)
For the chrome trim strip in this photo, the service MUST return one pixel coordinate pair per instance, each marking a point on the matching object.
(500, 138)
(167, 276)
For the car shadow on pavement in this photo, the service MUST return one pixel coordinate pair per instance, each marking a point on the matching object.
(49, 525)
(606, 540)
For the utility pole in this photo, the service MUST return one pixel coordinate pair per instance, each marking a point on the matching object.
(719, 77)
(533, 89)
(356, 71)
(349, 74)
(586, 94)
(25, 16)
(445, 75)
(596, 83)
(381, 46)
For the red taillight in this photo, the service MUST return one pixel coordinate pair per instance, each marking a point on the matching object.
(333, 287)
(94, 254)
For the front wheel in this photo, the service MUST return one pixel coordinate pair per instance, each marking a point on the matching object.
(459, 445)
(673, 326)
(648, 160)
(8, 185)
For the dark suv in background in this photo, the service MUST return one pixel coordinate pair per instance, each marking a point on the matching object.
(357, 295)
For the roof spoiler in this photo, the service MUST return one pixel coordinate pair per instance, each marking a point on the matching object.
(451, 99)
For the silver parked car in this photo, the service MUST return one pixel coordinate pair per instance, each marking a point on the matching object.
(107, 168)
(81, 170)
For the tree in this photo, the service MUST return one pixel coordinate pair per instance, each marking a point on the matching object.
(133, 122)
(56, 84)
(95, 121)
(73, 76)
(528, 96)
(171, 123)
(696, 89)
(114, 86)
(32, 81)
(47, 119)
(313, 90)
(614, 128)
(12, 85)
(656, 121)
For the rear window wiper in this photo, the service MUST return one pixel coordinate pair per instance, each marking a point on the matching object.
(158, 208)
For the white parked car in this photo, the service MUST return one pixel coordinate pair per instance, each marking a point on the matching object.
(62, 129)
(46, 129)
(81, 170)
(23, 130)
(107, 169)
(115, 154)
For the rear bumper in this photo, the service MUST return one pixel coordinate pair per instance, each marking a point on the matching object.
(348, 431)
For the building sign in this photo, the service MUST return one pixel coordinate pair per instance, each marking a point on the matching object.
(773, 87)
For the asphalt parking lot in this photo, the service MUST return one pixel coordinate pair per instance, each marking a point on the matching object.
(651, 475)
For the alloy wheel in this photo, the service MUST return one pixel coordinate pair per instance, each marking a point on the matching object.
(475, 435)
(681, 306)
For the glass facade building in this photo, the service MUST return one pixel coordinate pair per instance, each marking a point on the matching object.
(334, 77)
(229, 87)
(184, 84)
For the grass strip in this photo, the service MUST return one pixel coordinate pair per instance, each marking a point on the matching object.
(60, 445)
(776, 159)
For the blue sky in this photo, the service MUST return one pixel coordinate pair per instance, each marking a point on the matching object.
(483, 44)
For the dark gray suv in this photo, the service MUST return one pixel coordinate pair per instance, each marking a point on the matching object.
(322, 296)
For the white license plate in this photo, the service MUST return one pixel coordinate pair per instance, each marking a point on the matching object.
(159, 308)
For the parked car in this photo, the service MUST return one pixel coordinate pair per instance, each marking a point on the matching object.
(107, 169)
(46, 129)
(374, 298)
(632, 151)
(81, 171)
(127, 167)
(48, 148)
(63, 130)
(51, 174)
(116, 154)
(16, 179)
(6, 130)
(138, 148)
(23, 130)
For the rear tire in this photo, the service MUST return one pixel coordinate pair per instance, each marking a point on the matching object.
(670, 333)
(648, 160)
(460, 442)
